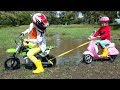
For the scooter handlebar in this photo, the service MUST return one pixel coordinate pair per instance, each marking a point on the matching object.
(92, 38)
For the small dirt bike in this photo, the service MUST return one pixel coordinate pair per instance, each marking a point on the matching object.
(93, 50)
(13, 62)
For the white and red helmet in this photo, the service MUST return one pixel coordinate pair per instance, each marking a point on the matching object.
(40, 19)
(104, 19)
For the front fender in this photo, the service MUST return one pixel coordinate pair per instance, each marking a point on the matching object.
(88, 52)
(11, 50)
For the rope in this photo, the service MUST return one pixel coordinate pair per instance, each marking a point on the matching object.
(69, 51)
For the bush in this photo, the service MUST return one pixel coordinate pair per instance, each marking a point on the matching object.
(115, 26)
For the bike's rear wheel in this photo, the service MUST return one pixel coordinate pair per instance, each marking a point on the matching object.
(52, 60)
(30, 65)
(12, 63)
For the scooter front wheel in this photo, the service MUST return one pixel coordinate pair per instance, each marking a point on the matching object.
(12, 63)
(87, 58)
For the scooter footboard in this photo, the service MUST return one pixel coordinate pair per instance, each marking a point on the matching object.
(88, 52)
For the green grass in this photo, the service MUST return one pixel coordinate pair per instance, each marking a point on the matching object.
(70, 31)
(115, 36)
(8, 34)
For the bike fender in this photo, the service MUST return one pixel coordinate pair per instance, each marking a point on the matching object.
(88, 52)
(11, 50)
(50, 47)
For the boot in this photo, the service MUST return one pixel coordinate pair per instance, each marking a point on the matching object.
(39, 67)
(105, 52)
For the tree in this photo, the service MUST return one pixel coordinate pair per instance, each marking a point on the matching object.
(91, 17)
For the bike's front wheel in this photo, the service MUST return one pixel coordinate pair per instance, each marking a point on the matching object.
(12, 63)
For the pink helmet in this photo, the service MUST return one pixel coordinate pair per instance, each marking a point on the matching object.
(104, 19)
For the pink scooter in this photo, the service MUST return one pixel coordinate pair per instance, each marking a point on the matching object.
(92, 52)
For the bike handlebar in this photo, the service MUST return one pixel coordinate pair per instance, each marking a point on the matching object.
(21, 35)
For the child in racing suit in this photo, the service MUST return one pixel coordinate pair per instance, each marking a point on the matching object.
(36, 38)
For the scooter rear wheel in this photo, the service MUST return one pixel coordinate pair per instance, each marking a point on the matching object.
(12, 63)
(112, 58)
(87, 58)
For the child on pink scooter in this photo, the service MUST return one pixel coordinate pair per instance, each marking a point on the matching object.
(104, 34)
(101, 37)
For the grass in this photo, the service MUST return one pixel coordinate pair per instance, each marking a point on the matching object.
(8, 34)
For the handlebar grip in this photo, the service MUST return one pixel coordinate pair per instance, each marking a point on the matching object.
(21, 35)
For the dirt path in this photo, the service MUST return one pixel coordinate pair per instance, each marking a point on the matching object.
(95, 70)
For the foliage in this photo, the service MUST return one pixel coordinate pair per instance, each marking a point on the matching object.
(91, 17)
(14, 17)
(65, 17)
